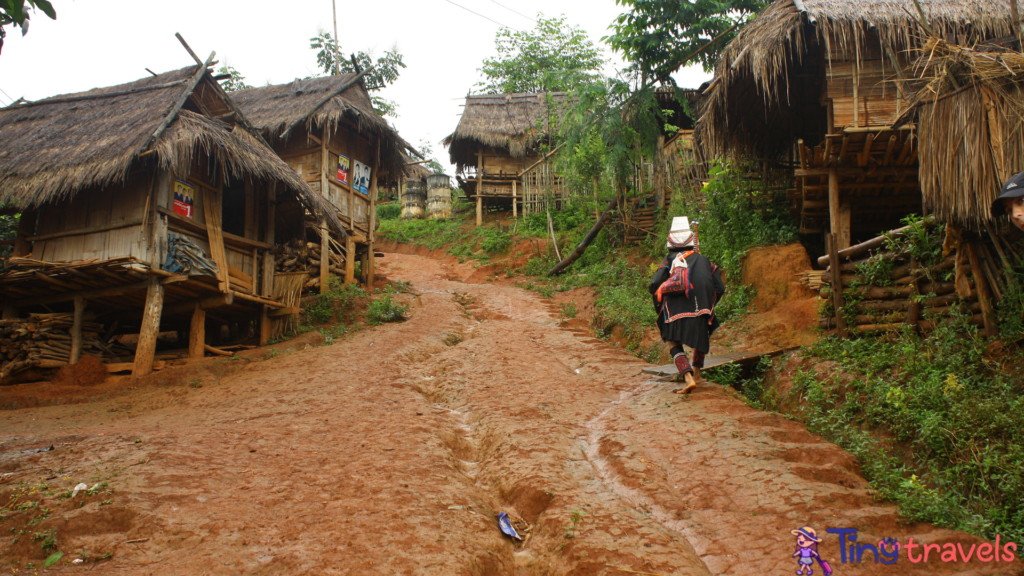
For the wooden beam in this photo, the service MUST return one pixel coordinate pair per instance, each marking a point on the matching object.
(213, 212)
(217, 351)
(90, 230)
(833, 201)
(76, 330)
(87, 294)
(350, 260)
(182, 223)
(866, 153)
(146, 348)
(371, 267)
(837, 285)
(205, 304)
(325, 257)
(197, 332)
(173, 112)
(268, 237)
(515, 209)
(283, 311)
(480, 186)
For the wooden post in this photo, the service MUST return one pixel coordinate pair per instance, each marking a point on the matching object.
(371, 235)
(479, 186)
(213, 212)
(835, 209)
(914, 310)
(364, 265)
(197, 332)
(268, 237)
(515, 209)
(350, 260)
(26, 228)
(659, 174)
(325, 256)
(984, 296)
(265, 325)
(837, 284)
(845, 217)
(76, 330)
(146, 349)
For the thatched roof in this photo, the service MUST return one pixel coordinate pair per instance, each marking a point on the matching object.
(753, 77)
(51, 149)
(273, 109)
(512, 121)
(972, 133)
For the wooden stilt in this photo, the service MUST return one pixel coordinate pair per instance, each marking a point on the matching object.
(146, 349)
(371, 268)
(364, 265)
(837, 285)
(268, 237)
(515, 209)
(350, 260)
(479, 186)
(984, 296)
(833, 202)
(76, 330)
(479, 209)
(265, 326)
(845, 217)
(197, 332)
(325, 257)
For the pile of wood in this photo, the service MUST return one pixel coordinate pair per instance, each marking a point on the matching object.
(914, 295)
(305, 257)
(811, 278)
(44, 341)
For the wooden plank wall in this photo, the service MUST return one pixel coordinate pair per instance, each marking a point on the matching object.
(864, 93)
(96, 207)
(498, 162)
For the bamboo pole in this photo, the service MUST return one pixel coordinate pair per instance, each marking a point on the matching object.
(76, 330)
(582, 247)
(837, 287)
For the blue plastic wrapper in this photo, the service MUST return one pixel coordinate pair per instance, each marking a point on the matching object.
(506, 526)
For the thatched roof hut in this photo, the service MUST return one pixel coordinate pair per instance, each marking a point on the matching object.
(273, 109)
(763, 98)
(53, 148)
(512, 122)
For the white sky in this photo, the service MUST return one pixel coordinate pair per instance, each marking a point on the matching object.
(97, 43)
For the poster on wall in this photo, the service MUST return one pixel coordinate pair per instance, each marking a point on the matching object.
(361, 177)
(343, 169)
(184, 194)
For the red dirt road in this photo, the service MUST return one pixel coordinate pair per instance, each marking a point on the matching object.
(392, 451)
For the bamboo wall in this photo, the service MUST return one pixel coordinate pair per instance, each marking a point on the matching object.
(862, 87)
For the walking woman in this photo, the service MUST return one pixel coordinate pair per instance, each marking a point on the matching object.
(685, 290)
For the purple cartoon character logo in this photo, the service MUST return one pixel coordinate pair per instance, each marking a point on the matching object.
(807, 551)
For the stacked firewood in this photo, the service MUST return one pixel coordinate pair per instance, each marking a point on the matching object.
(44, 341)
(912, 295)
(305, 257)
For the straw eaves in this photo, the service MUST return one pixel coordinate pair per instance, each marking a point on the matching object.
(273, 109)
(516, 122)
(54, 148)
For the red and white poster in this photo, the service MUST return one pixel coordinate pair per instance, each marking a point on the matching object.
(343, 169)
(184, 195)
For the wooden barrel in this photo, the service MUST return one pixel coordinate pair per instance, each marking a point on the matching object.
(414, 200)
(439, 196)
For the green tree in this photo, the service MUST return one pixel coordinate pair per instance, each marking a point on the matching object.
(17, 13)
(553, 56)
(385, 69)
(656, 36)
(426, 151)
(235, 80)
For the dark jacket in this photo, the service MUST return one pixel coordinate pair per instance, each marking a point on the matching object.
(707, 290)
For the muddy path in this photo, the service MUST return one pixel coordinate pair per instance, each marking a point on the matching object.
(392, 452)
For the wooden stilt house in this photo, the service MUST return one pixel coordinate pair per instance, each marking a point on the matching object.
(146, 207)
(327, 131)
(816, 85)
(496, 141)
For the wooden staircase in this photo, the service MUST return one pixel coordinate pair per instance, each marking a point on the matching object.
(639, 221)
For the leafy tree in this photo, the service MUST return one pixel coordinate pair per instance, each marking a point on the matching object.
(385, 69)
(427, 153)
(553, 56)
(657, 35)
(8, 230)
(17, 12)
(235, 81)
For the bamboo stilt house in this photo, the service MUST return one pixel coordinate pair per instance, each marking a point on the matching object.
(821, 83)
(327, 131)
(497, 140)
(146, 207)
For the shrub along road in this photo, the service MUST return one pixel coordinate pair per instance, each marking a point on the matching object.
(392, 451)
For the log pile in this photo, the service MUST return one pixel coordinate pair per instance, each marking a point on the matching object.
(299, 256)
(919, 296)
(44, 341)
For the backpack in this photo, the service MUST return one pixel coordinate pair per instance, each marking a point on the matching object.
(678, 279)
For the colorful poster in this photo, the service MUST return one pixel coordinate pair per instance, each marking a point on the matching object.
(343, 169)
(361, 177)
(184, 194)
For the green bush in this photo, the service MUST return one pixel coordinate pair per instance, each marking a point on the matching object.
(389, 211)
(957, 420)
(384, 309)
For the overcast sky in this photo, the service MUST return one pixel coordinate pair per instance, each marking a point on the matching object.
(105, 42)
